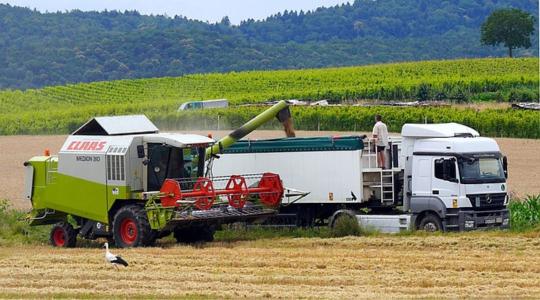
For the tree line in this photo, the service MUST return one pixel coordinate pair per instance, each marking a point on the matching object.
(41, 49)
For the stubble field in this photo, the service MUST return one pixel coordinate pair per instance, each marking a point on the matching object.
(488, 265)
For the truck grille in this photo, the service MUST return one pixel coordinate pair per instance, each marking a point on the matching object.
(487, 200)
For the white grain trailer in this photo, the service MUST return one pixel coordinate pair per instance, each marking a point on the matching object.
(437, 177)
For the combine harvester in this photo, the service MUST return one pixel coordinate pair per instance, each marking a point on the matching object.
(119, 178)
(439, 177)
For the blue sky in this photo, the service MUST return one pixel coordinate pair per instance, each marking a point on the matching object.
(211, 10)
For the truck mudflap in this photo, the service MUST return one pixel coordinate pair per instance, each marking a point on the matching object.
(465, 220)
(222, 214)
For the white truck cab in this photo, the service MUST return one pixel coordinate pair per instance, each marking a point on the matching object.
(453, 173)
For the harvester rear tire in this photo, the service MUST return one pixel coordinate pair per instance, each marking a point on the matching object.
(63, 235)
(131, 227)
(194, 234)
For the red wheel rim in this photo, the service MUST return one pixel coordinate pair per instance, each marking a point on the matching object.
(59, 237)
(128, 231)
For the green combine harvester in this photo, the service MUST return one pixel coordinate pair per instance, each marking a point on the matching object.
(120, 179)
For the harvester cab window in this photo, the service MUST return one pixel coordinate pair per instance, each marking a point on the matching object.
(188, 159)
(194, 161)
(170, 162)
(164, 162)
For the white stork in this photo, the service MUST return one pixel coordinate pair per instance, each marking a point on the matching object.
(115, 260)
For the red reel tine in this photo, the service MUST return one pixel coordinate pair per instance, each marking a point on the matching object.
(274, 189)
(237, 191)
(205, 186)
(171, 193)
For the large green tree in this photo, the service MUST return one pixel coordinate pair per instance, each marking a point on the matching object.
(511, 27)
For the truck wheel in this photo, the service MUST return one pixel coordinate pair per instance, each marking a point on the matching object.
(345, 224)
(194, 235)
(131, 227)
(430, 223)
(63, 235)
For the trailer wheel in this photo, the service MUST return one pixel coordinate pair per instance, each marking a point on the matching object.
(194, 235)
(345, 224)
(430, 223)
(131, 227)
(63, 235)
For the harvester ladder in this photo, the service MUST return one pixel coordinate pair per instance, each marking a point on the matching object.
(51, 171)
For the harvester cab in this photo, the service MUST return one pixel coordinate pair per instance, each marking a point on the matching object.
(172, 156)
(118, 177)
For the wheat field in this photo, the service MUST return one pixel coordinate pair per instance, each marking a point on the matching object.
(468, 265)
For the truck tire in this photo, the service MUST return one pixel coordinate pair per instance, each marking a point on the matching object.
(63, 235)
(194, 234)
(345, 224)
(343, 213)
(131, 227)
(430, 223)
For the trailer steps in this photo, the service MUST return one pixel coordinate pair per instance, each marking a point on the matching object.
(381, 182)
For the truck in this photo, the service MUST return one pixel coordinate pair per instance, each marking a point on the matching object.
(120, 178)
(205, 104)
(438, 177)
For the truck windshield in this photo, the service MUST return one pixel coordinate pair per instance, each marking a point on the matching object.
(475, 169)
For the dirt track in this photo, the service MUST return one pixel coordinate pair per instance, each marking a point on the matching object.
(523, 156)
(489, 265)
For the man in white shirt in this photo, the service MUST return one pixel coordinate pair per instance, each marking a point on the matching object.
(380, 137)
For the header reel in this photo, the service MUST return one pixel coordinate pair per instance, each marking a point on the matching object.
(203, 193)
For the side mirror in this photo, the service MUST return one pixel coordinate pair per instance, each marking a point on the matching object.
(454, 180)
(140, 151)
(505, 166)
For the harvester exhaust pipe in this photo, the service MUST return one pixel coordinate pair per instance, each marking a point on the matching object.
(279, 110)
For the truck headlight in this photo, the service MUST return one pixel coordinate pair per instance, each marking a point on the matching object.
(469, 224)
(505, 222)
(506, 199)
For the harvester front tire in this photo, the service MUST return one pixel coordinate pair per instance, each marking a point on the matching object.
(131, 227)
(63, 235)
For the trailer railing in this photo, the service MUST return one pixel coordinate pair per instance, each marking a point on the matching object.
(370, 154)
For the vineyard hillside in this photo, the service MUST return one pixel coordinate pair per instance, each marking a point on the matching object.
(61, 109)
